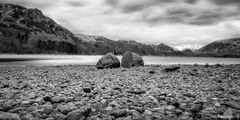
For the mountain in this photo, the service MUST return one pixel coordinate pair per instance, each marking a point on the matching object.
(29, 31)
(223, 48)
(87, 38)
(188, 52)
(119, 47)
(26, 31)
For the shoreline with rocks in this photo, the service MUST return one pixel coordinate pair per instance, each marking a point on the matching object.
(151, 92)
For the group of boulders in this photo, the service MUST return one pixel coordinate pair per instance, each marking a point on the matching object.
(129, 59)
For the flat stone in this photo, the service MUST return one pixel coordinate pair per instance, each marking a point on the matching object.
(87, 89)
(47, 109)
(233, 104)
(228, 114)
(137, 91)
(119, 113)
(79, 113)
(148, 112)
(9, 116)
(115, 104)
(170, 107)
(136, 115)
(59, 116)
(63, 109)
(48, 99)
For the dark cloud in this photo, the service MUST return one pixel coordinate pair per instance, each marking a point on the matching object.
(112, 2)
(127, 6)
(28, 3)
(191, 1)
(76, 3)
(189, 16)
(226, 2)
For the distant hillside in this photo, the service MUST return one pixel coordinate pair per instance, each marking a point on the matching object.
(28, 31)
(188, 52)
(106, 45)
(223, 48)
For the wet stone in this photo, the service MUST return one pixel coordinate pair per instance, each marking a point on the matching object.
(63, 109)
(79, 113)
(8, 116)
(87, 89)
(48, 99)
(119, 113)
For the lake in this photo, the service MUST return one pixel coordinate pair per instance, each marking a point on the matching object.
(92, 60)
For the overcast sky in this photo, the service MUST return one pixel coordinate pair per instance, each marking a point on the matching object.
(178, 23)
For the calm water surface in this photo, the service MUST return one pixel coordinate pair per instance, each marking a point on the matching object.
(92, 60)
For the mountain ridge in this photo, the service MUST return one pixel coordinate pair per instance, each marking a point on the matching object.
(29, 31)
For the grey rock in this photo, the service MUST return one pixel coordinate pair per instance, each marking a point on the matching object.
(130, 59)
(119, 113)
(87, 89)
(63, 109)
(108, 61)
(232, 104)
(136, 91)
(47, 99)
(27, 117)
(171, 69)
(59, 116)
(8, 116)
(56, 99)
(136, 115)
(79, 113)
(228, 114)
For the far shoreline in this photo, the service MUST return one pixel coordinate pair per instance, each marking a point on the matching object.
(195, 56)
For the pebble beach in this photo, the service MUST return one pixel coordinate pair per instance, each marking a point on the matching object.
(83, 92)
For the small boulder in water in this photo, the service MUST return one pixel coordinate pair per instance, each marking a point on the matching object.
(130, 59)
(108, 61)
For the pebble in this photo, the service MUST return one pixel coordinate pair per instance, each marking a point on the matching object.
(137, 91)
(59, 116)
(136, 115)
(63, 109)
(87, 89)
(79, 113)
(233, 104)
(119, 113)
(9, 116)
(47, 99)
(122, 94)
(228, 114)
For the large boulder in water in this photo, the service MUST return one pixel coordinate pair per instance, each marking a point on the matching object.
(130, 59)
(108, 61)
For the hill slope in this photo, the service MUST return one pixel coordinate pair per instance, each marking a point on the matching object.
(25, 30)
(28, 31)
(223, 48)
(105, 45)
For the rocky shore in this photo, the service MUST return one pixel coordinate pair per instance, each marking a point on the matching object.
(76, 92)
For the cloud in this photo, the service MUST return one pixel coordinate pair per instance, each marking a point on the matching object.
(226, 2)
(197, 13)
(30, 3)
(128, 6)
(76, 3)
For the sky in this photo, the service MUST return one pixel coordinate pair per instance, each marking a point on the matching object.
(178, 23)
